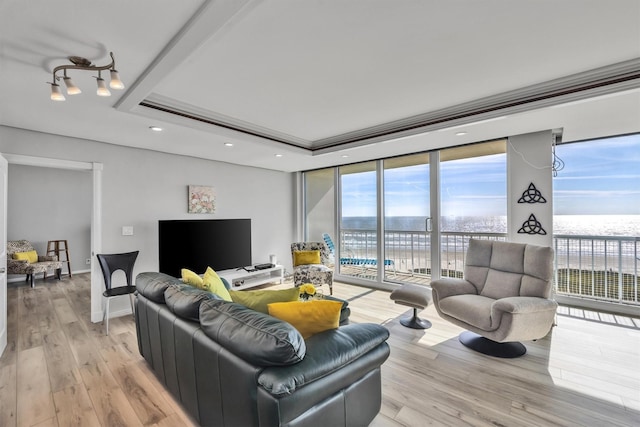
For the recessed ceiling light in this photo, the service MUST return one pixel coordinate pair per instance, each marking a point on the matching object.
(344, 156)
(228, 144)
(278, 155)
(461, 133)
(155, 128)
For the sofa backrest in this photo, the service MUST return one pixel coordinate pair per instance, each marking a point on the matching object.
(504, 269)
(258, 338)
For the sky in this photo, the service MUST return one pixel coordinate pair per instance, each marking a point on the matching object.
(600, 177)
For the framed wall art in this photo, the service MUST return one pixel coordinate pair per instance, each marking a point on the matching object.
(201, 199)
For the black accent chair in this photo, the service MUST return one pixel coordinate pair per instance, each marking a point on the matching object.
(110, 263)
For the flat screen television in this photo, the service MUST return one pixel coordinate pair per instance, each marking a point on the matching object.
(197, 244)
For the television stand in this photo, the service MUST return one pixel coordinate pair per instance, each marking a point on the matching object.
(240, 279)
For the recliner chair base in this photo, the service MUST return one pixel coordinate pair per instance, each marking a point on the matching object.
(506, 350)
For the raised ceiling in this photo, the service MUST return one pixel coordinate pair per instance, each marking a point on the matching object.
(315, 81)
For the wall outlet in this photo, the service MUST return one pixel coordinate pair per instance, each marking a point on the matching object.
(127, 230)
(87, 261)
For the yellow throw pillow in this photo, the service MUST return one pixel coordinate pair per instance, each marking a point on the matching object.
(31, 256)
(259, 299)
(306, 257)
(309, 318)
(212, 283)
(191, 278)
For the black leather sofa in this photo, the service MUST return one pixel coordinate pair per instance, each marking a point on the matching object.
(232, 366)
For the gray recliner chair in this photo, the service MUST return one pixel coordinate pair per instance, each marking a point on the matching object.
(504, 297)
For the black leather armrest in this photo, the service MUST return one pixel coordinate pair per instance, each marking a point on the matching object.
(327, 352)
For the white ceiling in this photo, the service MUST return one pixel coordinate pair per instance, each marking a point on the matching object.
(317, 80)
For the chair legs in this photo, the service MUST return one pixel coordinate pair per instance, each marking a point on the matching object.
(506, 350)
(133, 309)
(105, 316)
(414, 322)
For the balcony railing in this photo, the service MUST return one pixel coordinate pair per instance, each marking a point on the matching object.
(598, 267)
(603, 268)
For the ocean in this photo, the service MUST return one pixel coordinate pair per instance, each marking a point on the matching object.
(575, 225)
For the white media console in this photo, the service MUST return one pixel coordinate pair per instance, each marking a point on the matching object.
(241, 279)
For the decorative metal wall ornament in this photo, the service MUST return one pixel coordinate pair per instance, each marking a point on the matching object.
(532, 195)
(532, 226)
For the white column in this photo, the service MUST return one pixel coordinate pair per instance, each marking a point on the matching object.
(529, 161)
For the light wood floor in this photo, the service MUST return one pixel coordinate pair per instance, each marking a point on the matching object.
(59, 369)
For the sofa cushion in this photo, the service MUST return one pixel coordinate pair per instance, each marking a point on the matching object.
(308, 317)
(327, 352)
(184, 300)
(256, 337)
(152, 285)
(259, 299)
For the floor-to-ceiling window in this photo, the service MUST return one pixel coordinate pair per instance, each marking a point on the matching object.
(396, 195)
(473, 200)
(596, 222)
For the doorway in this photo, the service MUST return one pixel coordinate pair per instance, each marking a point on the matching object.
(96, 215)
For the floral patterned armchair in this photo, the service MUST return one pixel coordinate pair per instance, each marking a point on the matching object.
(308, 267)
(42, 264)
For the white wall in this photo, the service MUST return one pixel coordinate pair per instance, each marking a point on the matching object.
(141, 187)
(529, 160)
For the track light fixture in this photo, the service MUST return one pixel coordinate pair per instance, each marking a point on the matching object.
(80, 63)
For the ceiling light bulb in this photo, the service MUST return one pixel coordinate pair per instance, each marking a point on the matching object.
(115, 82)
(56, 93)
(461, 133)
(72, 89)
(102, 88)
(278, 155)
(228, 144)
(155, 128)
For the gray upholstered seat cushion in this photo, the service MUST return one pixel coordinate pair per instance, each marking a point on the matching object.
(411, 295)
(472, 309)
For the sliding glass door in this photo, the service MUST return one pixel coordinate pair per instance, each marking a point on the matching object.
(407, 218)
(358, 235)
